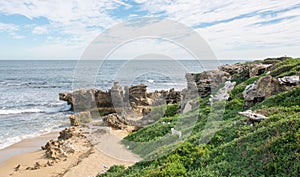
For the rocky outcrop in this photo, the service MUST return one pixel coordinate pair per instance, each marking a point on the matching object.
(68, 133)
(205, 82)
(258, 69)
(119, 122)
(223, 93)
(244, 71)
(262, 89)
(171, 97)
(133, 98)
(239, 70)
(62, 148)
(80, 100)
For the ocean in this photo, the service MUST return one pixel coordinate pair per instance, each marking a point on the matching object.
(29, 104)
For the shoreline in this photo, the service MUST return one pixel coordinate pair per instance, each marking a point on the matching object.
(87, 160)
(26, 145)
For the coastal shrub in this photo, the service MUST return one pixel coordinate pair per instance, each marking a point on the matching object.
(173, 169)
(281, 69)
(294, 71)
(286, 99)
(286, 67)
(171, 110)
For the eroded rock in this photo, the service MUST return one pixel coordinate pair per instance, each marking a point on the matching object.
(258, 69)
(222, 93)
(262, 89)
(61, 148)
(239, 70)
(205, 82)
(133, 98)
(289, 80)
(119, 122)
(253, 116)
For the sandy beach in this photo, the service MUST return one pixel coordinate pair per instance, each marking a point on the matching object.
(87, 160)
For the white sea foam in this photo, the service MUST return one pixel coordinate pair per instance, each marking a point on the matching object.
(52, 109)
(13, 140)
(19, 111)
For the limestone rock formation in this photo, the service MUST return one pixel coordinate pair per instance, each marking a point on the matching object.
(74, 120)
(119, 122)
(289, 80)
(244, 70)
(258, 69)
(80, 118)
(67, 133)
(253, 116)
(61, 148)
(239, 70)
(264, 88)
(133, 98)
(222, 93)
(206, 81)
(80, 100)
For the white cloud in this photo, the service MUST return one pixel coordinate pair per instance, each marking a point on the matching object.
(7, 27)
(40, 30)
(75, 23)
(240, 31)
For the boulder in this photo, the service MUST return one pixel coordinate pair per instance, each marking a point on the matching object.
(253, 116)
(289, 80)
(80, 118)
(74, 120)
(262, 89)
(222, 93)
(119, 122)
(258, 69)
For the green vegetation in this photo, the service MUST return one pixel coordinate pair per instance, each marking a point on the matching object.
(286, 67)
(269, 148)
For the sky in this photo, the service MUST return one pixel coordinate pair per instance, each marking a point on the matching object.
(234, 29)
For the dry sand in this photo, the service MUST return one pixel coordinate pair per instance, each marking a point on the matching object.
(87, 161)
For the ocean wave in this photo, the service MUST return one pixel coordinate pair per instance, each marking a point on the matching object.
(19, 111)
(6, 142)
(54, 108)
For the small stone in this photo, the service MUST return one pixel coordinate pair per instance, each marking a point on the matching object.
(17, 167)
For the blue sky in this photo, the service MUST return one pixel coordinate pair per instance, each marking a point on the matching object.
(55, 29)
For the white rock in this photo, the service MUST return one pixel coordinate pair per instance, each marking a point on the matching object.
(252, 115)
(289, 80)
(175, 132)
